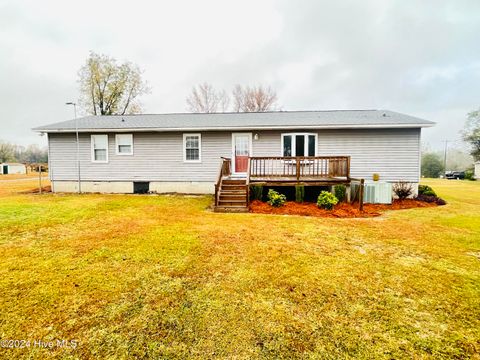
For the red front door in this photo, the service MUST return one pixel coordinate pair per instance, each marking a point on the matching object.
(242, 152)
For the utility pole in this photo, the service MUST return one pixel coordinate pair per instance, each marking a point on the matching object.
(78, 145)
(445, 158)
(39, 179)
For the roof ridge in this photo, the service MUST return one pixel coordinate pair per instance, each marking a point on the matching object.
(238, 112)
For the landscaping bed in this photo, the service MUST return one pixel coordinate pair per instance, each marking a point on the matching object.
(341, 210)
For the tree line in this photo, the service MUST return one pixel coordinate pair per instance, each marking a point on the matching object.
(204, 98)
(21, 154)
(433, 162)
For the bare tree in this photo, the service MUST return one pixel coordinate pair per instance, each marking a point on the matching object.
(108, 88)
(254, 99)
(7, 152)
(205, 99)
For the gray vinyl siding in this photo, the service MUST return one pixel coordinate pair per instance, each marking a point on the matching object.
(393, 153)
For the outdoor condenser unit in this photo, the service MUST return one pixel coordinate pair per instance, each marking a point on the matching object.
(376, 192)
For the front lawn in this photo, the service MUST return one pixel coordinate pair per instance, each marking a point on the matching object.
(131, 276)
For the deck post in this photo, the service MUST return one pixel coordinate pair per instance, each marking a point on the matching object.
(362, 188)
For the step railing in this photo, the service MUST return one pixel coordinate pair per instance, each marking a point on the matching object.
(225, 170)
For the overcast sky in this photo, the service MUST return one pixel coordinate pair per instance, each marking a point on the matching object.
(417, 57)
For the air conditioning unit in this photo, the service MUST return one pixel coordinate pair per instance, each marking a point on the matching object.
(375, 192)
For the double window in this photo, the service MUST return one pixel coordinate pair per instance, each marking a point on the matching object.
(192, 147)
(124, 144)
(299, 144)
(99, 145)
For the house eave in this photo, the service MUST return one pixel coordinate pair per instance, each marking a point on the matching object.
(237, 128)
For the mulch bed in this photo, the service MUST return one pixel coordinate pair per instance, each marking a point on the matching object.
(342, 210)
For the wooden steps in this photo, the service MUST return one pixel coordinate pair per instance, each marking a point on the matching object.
(232, 196)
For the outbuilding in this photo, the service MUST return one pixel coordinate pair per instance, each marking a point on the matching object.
(12, 168)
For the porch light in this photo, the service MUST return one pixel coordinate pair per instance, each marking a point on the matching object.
(255, 137)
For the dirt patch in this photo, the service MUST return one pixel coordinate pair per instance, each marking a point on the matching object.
(343, 210)
(36, 190)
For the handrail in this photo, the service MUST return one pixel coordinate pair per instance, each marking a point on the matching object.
(225, 170)
(247, 182)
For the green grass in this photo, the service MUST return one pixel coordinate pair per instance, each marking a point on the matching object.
(163, 277)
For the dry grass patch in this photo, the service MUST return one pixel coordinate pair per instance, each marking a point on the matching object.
(162, 277)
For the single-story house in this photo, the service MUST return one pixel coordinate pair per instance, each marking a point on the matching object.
(12, 168)
(192, 153)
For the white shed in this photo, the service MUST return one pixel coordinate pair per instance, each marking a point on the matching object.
(12, 168)
(477, 170)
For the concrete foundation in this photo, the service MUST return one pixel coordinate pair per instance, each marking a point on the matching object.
(126, 187)
(190, 187)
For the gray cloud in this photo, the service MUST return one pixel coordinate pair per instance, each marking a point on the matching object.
(420, 58)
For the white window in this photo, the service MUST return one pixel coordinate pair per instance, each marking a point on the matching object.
(192, 147)
(124, 144)
(99, 145)
(299, 144)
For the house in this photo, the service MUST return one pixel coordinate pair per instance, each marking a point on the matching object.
(206, 153)
(12, 168)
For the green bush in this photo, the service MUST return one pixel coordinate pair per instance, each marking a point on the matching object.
(299, 193)
(426, 190)
(275, 199)
(257, 192)
(340, 192)
(326, 200)
(469, 175)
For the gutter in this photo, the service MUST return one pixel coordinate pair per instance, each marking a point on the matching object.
(290, 127)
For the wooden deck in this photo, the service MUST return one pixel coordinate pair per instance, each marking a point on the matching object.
(282, 171)
(309, 171)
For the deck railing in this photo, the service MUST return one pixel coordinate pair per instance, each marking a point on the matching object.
(299, 168)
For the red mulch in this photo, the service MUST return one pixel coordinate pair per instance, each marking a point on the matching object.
(342, 210)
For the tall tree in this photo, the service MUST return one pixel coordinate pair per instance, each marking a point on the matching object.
(471, 133)
(254, 99)
(205, 99)
(432, 165)
(7, 152)
(108, 88)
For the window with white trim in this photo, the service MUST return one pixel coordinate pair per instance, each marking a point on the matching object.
(192, 147)
(124, 144)
(99, 145)
(299, 144)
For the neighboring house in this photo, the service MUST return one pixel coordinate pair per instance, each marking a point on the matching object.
(12, 168)
(477, 170)
(182, 152)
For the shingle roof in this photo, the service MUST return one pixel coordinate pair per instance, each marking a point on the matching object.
(241, 121)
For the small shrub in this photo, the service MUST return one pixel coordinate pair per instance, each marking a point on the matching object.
(469, 175)
(257, 192)
(326, 200)
(426, 190)
(275, 199)
(376, 177)
(440, 201)
(299, 193)
(431, 199)
(340, 192)
(403, 189)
